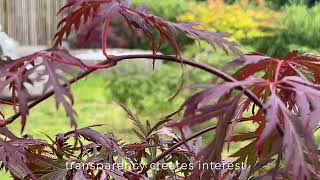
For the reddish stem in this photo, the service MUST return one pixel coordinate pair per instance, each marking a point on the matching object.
(105, 34)
(277, 74)
(113, 60)
(168, 151)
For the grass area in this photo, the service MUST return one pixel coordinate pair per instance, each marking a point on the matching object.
(92, 107)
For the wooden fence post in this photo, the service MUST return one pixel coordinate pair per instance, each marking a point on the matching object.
(30, 22)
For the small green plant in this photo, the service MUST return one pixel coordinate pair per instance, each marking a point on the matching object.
(131, 89)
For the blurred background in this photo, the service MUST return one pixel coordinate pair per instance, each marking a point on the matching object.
(273, 27)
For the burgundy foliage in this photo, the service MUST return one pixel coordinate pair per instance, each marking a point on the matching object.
(280, 96)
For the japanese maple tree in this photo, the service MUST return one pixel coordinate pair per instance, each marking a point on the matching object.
(281, 96)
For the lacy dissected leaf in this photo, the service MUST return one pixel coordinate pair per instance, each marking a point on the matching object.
(252, 69)
(243, 137)
(273, 70)
(246, 154)
(24, 157)
(105, 140)
(213, 38)
(294, 152)
(13, 159)
(141, 132)
(307, 98)
(116, 174)
(297, 142)
(75, 18)
(15, 75)
(252, 58)
(291, 111)
(45, 167)
(203, 114)
(62, 93)
(55, 175)
(133, 175)
(55, 65)
(221, 133)
(79, 175)
(83, 11)
(273, 108)
(7, 133)
(292, 64)
(213, 152)
(205, 104)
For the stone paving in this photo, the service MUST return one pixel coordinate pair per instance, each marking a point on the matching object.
(89, 56)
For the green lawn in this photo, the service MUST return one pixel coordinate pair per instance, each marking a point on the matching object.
(92, 107)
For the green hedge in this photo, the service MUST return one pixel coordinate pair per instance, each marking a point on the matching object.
(277, 4)
(145, 94)
(300, 26)
(166, 9)
(150, 94)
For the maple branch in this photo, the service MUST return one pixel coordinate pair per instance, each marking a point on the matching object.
(198, 65)
(113, 60)
(168, 151)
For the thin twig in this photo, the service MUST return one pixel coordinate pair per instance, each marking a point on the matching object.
(113, 60)
(168, 151)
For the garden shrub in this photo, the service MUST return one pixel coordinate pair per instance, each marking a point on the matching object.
(278, 4)
(241, 21)
(299, 28)
(149, 95)
(167, 9)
